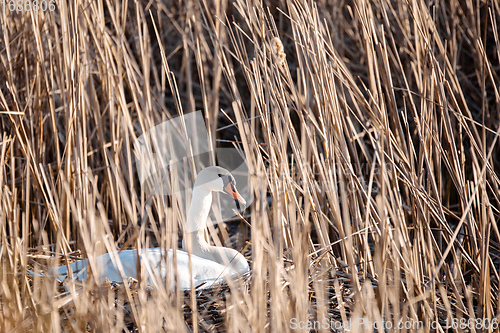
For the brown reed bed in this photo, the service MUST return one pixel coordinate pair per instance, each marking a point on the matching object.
(371, 133)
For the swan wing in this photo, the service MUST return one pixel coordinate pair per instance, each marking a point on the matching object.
(118, 266)
(109, 267)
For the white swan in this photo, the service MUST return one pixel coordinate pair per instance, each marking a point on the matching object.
(210, 264)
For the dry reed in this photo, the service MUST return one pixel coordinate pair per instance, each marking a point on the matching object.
(371, 132)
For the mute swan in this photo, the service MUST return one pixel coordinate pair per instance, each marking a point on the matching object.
(210, 264)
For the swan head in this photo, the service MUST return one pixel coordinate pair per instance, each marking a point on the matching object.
(217, 179)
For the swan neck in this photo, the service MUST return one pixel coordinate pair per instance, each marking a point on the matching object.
(194, 240)
(196, 222)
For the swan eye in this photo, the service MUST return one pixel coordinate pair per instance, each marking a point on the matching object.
(225, 179)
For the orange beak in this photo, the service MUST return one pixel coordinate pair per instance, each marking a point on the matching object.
(230, 189)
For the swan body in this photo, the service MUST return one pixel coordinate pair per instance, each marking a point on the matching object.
(205, 273)
(209, 264)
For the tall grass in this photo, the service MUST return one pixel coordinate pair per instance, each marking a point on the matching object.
(371, 132)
